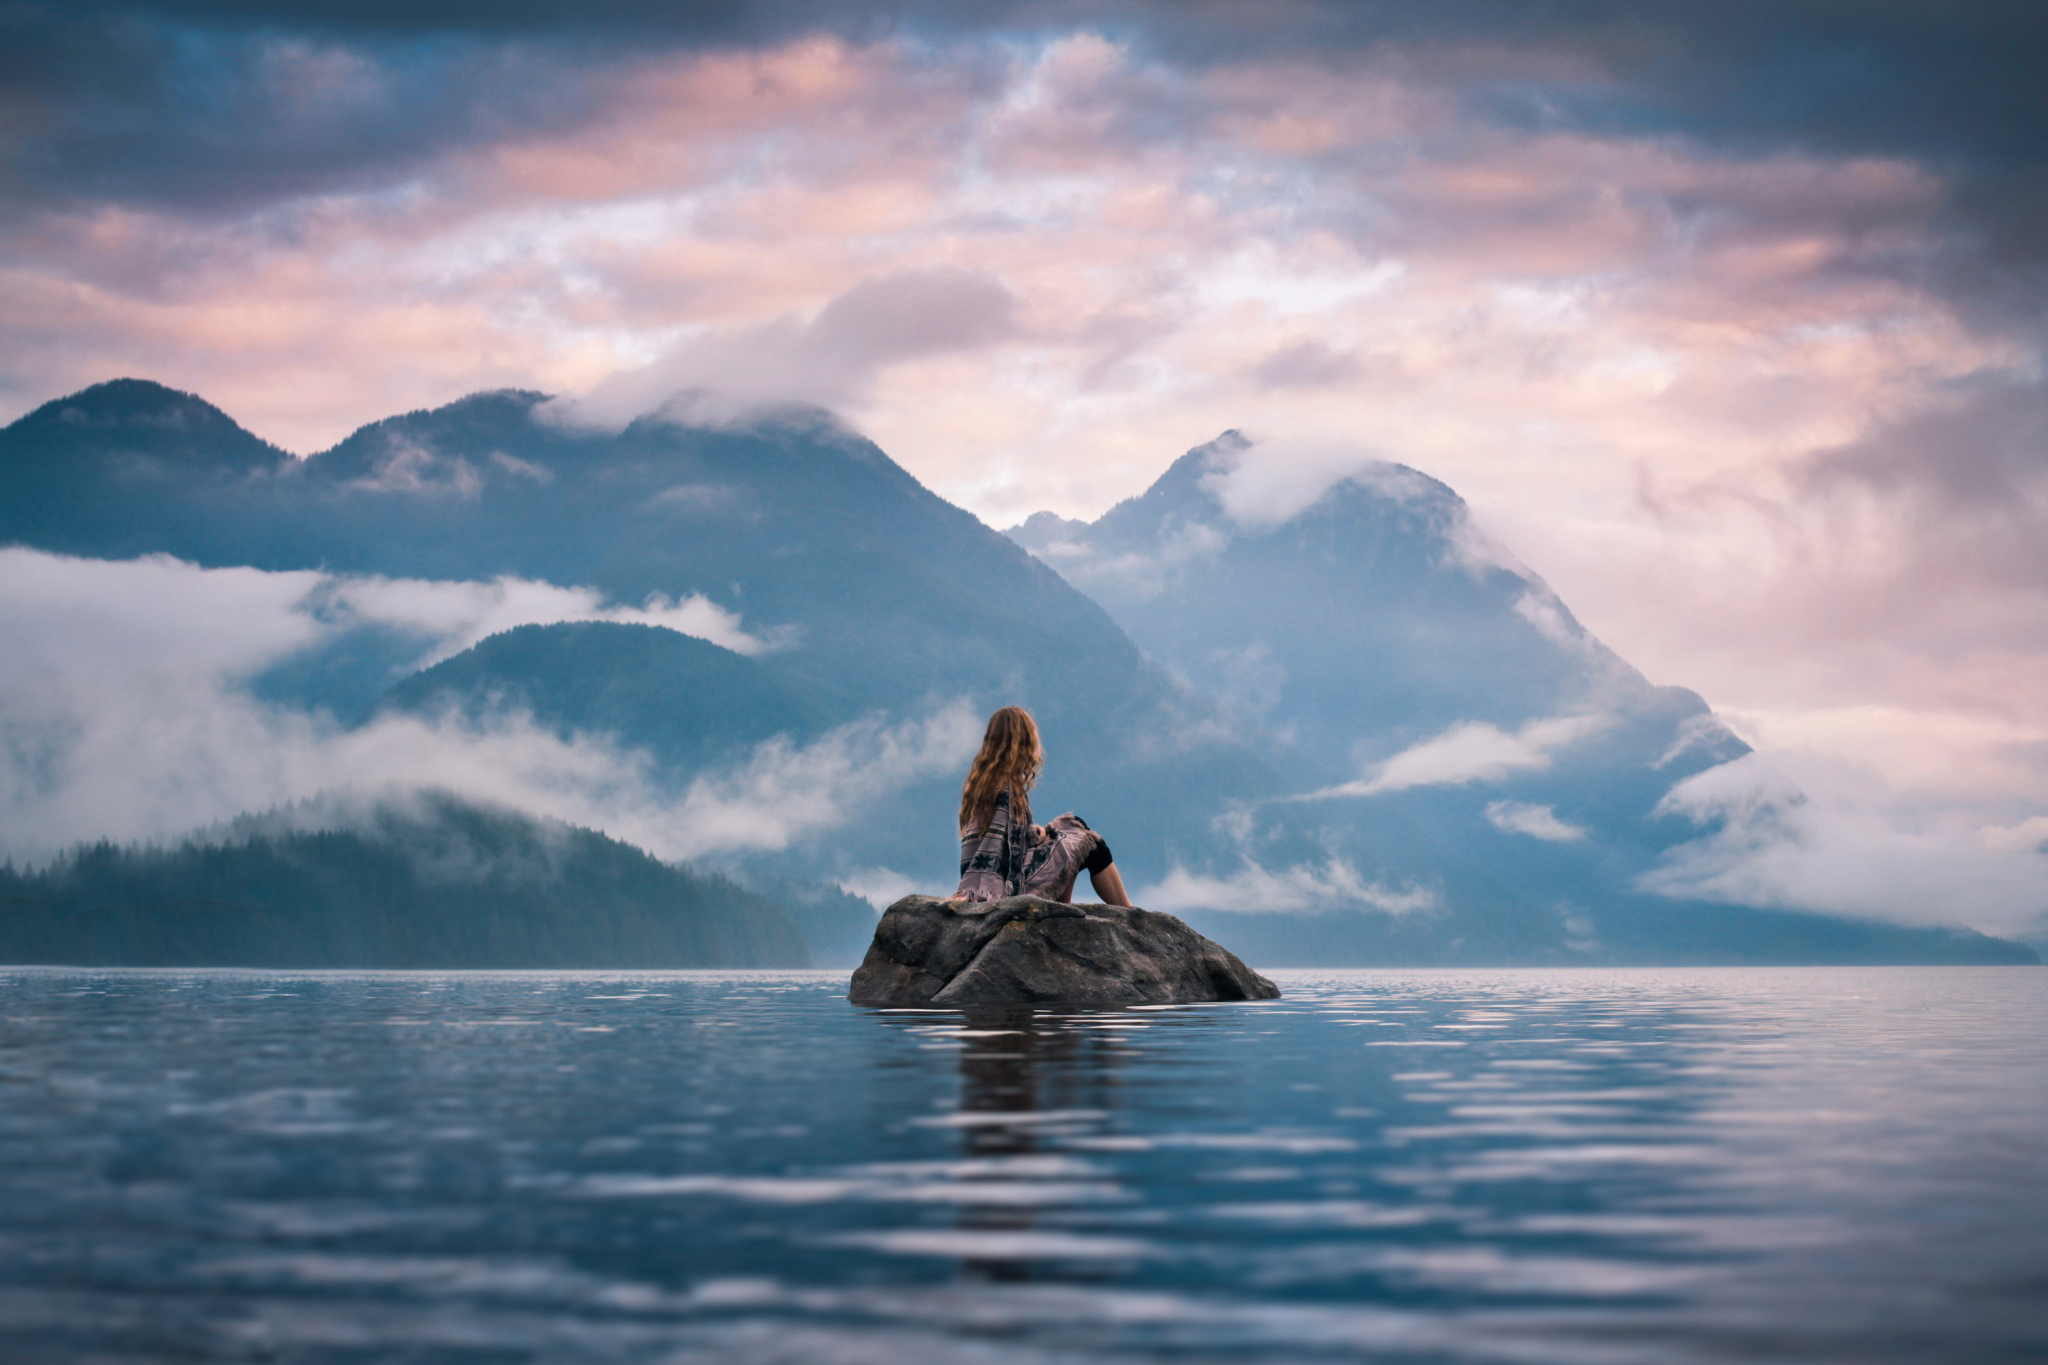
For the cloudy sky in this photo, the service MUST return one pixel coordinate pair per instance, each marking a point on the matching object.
(1728, 319)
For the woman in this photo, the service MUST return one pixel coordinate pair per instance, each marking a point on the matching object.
(1001, 852)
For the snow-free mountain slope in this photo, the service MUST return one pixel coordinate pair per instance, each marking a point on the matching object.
(1355, 729)
(1376, 614)
(129, 467)
(688, 702)
(1475, 775)
(850, 584)
(426, 880)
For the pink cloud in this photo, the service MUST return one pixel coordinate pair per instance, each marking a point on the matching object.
(1625, 350)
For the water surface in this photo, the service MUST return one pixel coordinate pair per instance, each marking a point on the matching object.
(1669, 1165)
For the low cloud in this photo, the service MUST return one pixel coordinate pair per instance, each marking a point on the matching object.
(880, 887)
(2028, 836)
(1472, 751)
(1269, 480)
(231, 621)
(457, 614)
(406, 466)
(1538, 822)
(829, 360)
(1136, 573)
(125, 714)
(786, 790)
(1578, 319)
(1703, 731)
(1335, 885)
(1807, 833)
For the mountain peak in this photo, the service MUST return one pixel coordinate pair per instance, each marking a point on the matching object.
(1182, 491)
(476, 422)
(1040, 531)
(1184, 477)
(507, 400)
(1338, 609)
(484, 407)
(143, 417)
(130, 402)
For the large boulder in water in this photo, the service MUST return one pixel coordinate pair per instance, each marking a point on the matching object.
(1024, 951)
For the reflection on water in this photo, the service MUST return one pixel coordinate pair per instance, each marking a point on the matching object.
(1572, 1166)
(1005, 1063)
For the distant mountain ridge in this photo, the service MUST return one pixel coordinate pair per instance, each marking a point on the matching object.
(1478, 777)
(130, 467)
(894, 602)
(1377, 599)
(688, 702)
(430, 881)
(1354, 733)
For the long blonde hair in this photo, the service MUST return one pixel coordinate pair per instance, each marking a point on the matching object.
(1010, 757)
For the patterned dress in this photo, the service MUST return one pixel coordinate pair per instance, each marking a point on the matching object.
(1001, 859)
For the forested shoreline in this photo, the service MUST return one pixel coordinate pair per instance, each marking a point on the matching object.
(436, 883)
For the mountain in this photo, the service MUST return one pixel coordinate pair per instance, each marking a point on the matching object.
(876, 598)
(1477, 778)
(689, 703)
(793, 522)
(837, 926)
(1358, 732)
(129, 467)
(1663, 933)
(431, 881)
(1375, 617)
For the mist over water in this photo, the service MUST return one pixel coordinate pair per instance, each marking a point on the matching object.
(1674, 1164)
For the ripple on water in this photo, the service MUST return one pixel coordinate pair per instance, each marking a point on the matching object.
(1569, 1166)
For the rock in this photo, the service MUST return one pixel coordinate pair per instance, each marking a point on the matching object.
(1023, 950)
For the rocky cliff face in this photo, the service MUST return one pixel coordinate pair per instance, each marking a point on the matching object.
(1024, 950)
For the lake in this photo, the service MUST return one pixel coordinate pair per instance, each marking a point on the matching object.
(1578, 1166)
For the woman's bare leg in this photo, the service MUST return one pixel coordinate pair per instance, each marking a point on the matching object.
(1109, 884)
